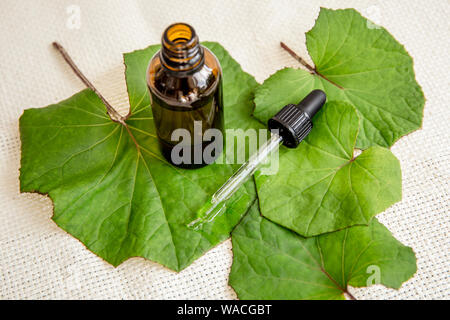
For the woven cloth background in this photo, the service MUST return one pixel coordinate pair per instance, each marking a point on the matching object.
(40, 261)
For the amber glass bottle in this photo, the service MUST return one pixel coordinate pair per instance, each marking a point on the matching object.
(185, 83)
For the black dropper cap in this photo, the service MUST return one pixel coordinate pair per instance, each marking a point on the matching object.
(294, 121)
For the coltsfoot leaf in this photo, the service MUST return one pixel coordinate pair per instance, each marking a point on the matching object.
(271, 262)
(321, 187)
(359, 63)
(121, 199)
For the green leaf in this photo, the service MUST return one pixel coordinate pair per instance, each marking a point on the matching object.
(270, 262)
(320, 187)
(121, 201)
(360, 64)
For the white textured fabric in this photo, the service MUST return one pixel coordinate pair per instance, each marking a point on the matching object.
(39, 260)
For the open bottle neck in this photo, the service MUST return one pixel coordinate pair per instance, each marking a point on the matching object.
(181, 50)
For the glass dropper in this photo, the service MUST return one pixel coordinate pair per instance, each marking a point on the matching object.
(216, 203)
(293, 124)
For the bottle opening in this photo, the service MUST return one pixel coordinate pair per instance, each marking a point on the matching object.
(181, 50)
(179, 33)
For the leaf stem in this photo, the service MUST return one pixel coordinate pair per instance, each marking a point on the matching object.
(344, 290)
(113, 114)
(352, 297)
(306, 65)
(298, 58)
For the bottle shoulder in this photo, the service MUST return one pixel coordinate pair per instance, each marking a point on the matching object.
(184, 88)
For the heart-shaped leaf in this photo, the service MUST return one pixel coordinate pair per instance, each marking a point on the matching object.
(320, 187)
(119, 196)
(270, 262)
(357, 62)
